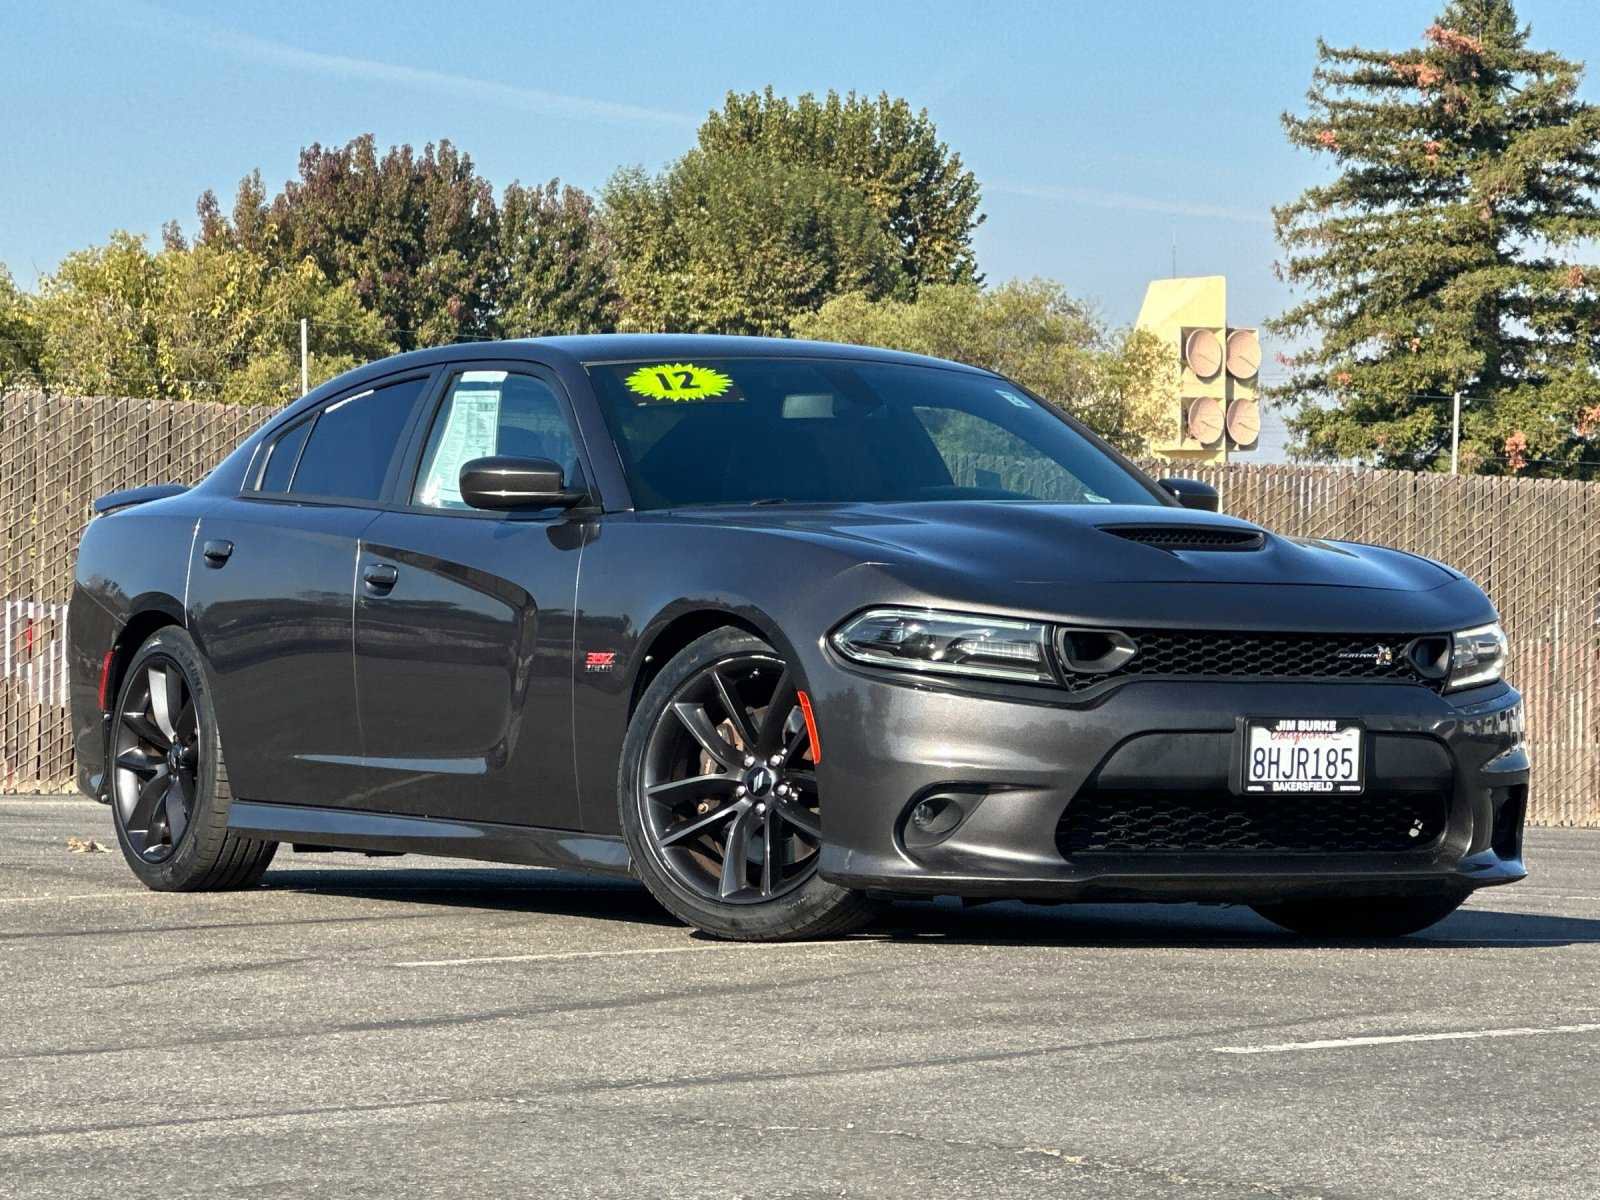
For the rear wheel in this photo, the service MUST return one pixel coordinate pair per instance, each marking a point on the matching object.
(719, 800)
(1384, 917)
(170, 794)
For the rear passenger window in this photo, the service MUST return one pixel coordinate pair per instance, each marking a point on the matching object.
(353, 442)
(281, 458)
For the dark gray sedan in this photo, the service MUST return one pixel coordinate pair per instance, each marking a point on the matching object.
(781, 628)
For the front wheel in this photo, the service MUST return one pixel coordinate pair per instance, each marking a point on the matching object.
(719, 801)
(1383, 917)
(170, 794)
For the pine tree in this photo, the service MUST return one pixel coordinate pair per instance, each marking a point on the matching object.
(1444, 256)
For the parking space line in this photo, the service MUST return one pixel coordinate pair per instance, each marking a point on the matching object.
(1398, 1038)
(555, 956)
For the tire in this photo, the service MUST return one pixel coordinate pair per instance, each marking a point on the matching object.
(1384, 917)
(169, 791)
(690, 786)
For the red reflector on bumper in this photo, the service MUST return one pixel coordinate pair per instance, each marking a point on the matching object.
(105, 678)
(811, 726)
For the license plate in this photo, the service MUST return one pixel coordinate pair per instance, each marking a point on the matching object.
(1303, 754)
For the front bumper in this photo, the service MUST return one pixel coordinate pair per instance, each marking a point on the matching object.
(1015, 760)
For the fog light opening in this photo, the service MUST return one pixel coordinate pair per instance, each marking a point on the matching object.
(934, 818)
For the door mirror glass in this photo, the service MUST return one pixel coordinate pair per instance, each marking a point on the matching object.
(1191, 493)
(501, 482)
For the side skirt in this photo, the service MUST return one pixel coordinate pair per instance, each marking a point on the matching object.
(348, 829)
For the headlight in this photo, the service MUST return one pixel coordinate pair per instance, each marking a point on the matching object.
(1476, 656)
(947, 644)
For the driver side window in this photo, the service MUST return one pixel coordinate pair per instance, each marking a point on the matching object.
(487, 413)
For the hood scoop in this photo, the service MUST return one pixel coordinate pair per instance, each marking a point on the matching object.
(1189, 537)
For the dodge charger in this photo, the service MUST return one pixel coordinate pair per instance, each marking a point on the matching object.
(783, 630)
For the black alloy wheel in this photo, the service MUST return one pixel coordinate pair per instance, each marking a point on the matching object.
(156, 748)
(169, 789)
(728, 787)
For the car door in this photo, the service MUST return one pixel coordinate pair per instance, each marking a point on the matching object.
(271, 588)
(464, 618)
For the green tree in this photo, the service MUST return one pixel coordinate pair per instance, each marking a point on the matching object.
(415, 235)
(211, 322)
(554, 264)
(1031, 331)
(916, 185)
(231, 317)
(20, 344)
(739, 243)
(1443, 256)
(423, 243)
(97, 321)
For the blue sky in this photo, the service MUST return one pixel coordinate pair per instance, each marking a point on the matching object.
(1100, 132)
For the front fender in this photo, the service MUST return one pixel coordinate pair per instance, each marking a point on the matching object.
(639, 578)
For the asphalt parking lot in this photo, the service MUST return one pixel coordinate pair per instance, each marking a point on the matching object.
(400, 1027)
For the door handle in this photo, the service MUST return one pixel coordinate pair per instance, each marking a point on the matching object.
(380, 577)
(216, 552)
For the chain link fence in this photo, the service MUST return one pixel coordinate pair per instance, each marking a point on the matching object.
(1533, 544)
(56, 455)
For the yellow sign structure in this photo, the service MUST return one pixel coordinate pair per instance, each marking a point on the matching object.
(1215, 407)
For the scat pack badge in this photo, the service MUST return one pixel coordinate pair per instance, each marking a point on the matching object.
(600, 660)
(671, 383)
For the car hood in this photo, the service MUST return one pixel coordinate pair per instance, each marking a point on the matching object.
(1076, 563)
(1088, 545)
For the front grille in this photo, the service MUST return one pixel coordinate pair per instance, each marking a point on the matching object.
(1124, 822)
(1189, 537)
(1262, 656)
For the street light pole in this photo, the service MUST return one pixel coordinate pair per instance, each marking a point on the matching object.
(304, 373)
(1455, 434)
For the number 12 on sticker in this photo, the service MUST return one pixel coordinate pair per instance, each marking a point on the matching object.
(674, 382)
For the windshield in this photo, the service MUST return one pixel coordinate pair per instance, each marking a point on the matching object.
(773, 430)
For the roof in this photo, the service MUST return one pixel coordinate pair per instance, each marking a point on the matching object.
(616, 347)
(612, 347)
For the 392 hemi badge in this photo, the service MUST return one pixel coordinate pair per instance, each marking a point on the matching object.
(600, 660)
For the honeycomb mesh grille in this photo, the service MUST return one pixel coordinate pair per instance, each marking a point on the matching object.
(1188, 537)
(1102, 822)
(1263, 656)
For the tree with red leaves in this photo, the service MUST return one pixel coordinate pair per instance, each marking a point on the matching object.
(412, 233)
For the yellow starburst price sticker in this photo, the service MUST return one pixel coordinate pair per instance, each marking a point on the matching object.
(672, 382)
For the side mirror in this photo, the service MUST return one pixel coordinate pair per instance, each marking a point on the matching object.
(1191, 493)
(502, 483)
